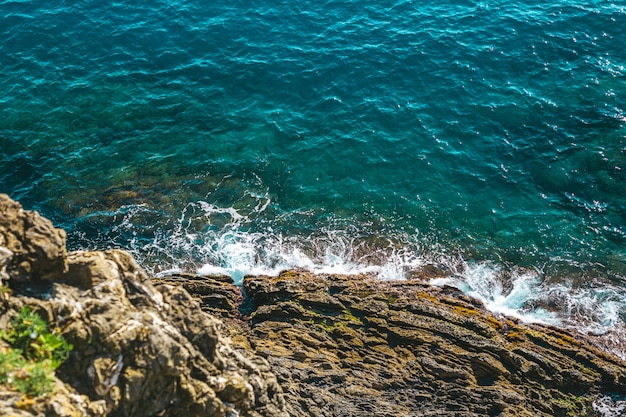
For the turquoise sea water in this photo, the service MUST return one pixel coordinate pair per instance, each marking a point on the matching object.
(486, 138)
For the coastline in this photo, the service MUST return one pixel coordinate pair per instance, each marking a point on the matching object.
(297, 344)
(355, 345)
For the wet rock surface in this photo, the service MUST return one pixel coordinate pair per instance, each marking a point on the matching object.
(294, 345)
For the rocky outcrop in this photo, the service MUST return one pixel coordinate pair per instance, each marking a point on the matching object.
(216, 295)
(406, 348)
(354, 346)
(358, 346)
(31, 249)
(294, 345)
(139, 349)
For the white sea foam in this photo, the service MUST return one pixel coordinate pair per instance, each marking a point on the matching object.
(607, 407)
(246, 256)
(595, 310)
(229, 248)
(220, 241)
(485, 282)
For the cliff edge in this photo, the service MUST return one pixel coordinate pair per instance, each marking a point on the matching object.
(138, 349)
(358, 346)
(294, 345)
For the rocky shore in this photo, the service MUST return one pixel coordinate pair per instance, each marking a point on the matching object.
(293, 345)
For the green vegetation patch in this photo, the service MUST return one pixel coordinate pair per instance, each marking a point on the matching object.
(34, 354)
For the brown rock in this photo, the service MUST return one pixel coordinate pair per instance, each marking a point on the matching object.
(30, 247)
(139, 350)
(354, 346)
(87, 269)
(216, 295)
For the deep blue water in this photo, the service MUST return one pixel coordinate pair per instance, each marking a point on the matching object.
(487, 138)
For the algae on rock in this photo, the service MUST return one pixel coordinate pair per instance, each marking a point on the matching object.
(357, 346)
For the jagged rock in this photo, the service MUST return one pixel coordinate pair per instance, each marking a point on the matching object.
(217, 295)
(30, 247)
(308, 345)
(354, 346)
(139, 350)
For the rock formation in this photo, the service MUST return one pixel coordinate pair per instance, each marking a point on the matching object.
(139, 350)
(354, 346)
(357, 346)
(293, 345)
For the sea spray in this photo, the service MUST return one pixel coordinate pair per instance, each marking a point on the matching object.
(510, 294)
(594, 309)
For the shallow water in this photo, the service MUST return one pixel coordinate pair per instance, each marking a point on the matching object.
(486, 138)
